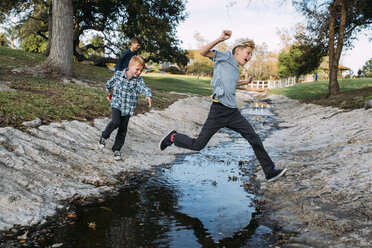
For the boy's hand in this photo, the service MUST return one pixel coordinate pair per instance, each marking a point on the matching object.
(226, 34)
(149, 99)
(109, 94)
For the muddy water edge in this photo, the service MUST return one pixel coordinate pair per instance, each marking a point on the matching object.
(204, 199)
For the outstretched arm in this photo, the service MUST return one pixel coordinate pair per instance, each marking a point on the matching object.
(206, 50)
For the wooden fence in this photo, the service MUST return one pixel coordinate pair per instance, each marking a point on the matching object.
(269, 84)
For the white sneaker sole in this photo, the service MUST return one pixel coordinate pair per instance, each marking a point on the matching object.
(277, 176)
(117, 158)
(163, 139)
(101, 146)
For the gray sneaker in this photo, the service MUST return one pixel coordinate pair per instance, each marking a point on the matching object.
(117, 155)
(275, 174)
(102, 142)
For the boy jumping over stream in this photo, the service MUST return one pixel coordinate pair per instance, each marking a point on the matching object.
(224, 111)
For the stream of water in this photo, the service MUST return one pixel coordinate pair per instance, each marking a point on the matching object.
(204, 199)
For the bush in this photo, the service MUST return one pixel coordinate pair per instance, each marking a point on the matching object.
(34, 44)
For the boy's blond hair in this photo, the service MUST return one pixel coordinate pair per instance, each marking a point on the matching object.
(138, 60)
(244, 44)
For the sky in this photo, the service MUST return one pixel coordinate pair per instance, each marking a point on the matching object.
(254, 19)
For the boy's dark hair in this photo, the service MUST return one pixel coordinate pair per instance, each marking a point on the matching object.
(135, 40)
(244, 44)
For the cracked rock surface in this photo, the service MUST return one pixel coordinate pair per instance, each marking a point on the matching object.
(326, 195)
(45, 165)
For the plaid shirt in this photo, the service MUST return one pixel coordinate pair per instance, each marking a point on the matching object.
(126, 91)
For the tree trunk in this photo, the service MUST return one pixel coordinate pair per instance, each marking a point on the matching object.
(60, 60)
(335, 52)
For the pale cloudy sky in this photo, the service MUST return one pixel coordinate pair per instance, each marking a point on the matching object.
(255, 19)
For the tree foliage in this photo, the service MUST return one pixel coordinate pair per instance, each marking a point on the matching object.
(3, 40)
(34, 43)
(199, 64)
(335, 24)
(367, 68)
(301, 59)
(115, 21)
(263, 63)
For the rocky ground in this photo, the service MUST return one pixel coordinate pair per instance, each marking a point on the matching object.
(326, 196)
(45, 165)
(323, 201)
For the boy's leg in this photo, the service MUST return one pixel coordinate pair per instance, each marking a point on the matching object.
(114, 123)
(241, 125)
(213, 123)
(122, 132)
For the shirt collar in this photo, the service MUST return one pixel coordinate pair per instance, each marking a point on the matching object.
(235, 62)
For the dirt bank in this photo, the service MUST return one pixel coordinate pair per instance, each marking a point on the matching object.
(45, 165)
(326, 196)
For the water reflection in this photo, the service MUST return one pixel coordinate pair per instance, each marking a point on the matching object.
(199, 201)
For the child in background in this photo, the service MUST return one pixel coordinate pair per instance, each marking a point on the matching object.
(123, 61)
(126, 86)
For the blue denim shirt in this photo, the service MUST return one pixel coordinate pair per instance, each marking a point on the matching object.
(225, 78)
(126, 91)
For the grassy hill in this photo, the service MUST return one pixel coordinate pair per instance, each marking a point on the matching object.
(353, 93)
(33, 96)
(29, 96)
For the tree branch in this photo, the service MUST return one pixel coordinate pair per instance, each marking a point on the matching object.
(348, 32)
(90, 46)
(42, 35)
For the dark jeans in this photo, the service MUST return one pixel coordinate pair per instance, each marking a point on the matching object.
(120, 122)
(219, 117)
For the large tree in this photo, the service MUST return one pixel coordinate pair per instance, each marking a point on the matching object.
(116, 21)
(60, 59)
(335, 24)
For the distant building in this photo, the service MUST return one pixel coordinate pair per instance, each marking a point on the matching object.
(323, 70)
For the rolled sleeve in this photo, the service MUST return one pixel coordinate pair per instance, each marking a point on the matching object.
(220, 56)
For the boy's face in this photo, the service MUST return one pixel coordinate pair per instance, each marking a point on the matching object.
(135, 69)
(243, 55)
(135, 46)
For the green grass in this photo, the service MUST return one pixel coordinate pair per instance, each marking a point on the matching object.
(353, 93)
(178, 83)
(320, 89)
(50, 100)
(53, 100)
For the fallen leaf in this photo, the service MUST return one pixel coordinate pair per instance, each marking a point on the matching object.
(92, 225)
(71, 216)
(106, 208)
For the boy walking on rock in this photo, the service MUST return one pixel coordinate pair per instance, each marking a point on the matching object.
(224, 111)
(126, 86)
